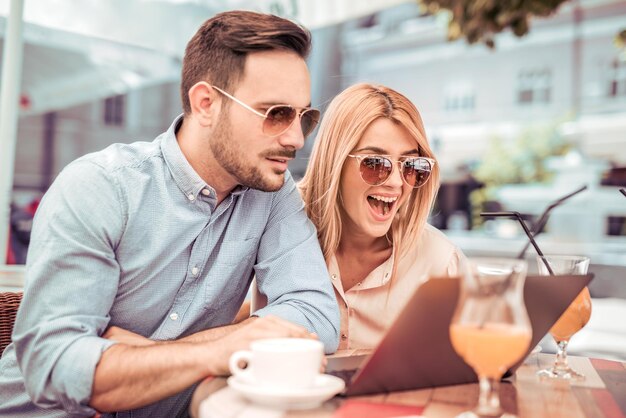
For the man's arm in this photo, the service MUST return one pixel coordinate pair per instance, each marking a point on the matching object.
(131, 376)
(132, 339)
(72, 280)
(291, 270)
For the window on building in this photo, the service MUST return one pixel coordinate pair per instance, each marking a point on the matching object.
(618, 79)
(459, 98)
(534, 86)
(114, 110)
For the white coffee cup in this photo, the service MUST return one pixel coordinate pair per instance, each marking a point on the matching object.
(282, 363)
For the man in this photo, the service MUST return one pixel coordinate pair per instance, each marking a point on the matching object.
(158, 241)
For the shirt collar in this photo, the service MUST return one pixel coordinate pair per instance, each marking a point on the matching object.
(188, 181)
(378, 277)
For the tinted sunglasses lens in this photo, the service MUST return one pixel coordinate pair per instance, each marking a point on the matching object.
(279, 119)
(308, 121)
(375, 170)
(416, 171)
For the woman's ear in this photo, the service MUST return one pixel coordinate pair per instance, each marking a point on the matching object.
(204, 102)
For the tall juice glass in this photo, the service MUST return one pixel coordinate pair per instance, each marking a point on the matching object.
(573, 319)
(490, 329)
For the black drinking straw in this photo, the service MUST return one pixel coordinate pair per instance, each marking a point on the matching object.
(543, 219)
(623, 191)
(513, 214)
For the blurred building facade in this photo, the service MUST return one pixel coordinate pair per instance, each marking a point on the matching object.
(566, 69)
(48, 142)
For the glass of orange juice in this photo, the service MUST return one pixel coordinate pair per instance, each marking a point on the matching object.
(490, 328)
(573, 319)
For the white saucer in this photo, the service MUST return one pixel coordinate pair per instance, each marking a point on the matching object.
(324, 388)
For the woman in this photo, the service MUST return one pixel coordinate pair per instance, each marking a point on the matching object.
(369, 187)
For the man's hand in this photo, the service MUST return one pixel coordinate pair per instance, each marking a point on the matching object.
(146, 377)
(126, 337)
(254, 329)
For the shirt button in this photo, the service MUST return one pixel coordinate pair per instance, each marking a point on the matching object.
(195, 271)
(206, 192)
(174, 316)
(344, 337)
(334, 277)
(358, 284)
(191, 197)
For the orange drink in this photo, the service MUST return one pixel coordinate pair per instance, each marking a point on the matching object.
(490, 328)
(574, 318)
(492, 348)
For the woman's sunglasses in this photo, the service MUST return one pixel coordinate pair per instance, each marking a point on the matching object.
(376, 169)
(279, 118)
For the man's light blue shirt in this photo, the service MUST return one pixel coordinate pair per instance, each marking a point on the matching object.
(132, 236)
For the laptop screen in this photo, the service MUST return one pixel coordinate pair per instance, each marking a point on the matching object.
(416, 351)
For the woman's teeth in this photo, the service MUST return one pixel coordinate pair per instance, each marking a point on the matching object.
(384, 199)
(381, 203)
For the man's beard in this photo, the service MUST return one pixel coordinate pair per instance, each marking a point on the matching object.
(231, 156)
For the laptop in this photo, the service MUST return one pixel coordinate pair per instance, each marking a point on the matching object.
(416, 351)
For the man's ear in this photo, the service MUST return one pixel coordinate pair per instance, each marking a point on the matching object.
(205, 103)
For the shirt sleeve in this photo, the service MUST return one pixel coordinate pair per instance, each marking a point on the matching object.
(71, 282)
(291, 270)
(457, 263)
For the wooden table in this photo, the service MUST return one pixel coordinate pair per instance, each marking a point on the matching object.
(601, 395)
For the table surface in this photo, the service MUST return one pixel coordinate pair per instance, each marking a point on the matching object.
(601, 394)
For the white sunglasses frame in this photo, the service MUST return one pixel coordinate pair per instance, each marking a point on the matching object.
(361, 157)
(299, 112)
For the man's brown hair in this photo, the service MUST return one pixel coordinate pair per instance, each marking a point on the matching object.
(217, 52)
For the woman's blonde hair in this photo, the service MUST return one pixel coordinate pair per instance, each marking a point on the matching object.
(347, 118)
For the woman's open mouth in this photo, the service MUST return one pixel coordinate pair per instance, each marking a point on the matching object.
(382, 206)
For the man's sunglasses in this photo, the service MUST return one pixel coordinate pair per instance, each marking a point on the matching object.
(279, 118)
(376, 169)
